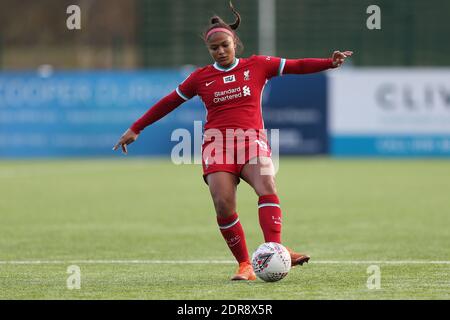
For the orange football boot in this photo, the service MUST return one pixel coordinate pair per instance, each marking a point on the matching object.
(244, 272)
(298, 258)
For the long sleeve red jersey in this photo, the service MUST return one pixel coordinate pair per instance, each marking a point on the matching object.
(232, 96)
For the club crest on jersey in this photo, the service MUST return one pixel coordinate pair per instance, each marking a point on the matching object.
(247, 75)
(229, 79)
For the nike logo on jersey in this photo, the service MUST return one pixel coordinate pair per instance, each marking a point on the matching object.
(208, 83)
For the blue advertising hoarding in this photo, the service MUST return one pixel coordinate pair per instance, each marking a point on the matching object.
(297, 105)
(84, 113)
(77, 113)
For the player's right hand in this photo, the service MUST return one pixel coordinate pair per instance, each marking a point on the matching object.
(127, 138)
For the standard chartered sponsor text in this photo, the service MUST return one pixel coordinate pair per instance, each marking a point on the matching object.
(226, 95)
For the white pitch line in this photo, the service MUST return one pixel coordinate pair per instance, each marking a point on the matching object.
(38, 262)
(117, 262)
(381, 262)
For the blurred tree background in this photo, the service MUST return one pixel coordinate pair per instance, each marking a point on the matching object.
(160, 33)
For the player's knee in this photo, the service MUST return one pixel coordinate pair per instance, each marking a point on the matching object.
(266, 186)
(224, 206)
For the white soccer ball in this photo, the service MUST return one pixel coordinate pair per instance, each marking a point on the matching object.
(271, 261)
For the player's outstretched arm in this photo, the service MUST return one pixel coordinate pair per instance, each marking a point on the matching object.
(312, 65)
(156, 112)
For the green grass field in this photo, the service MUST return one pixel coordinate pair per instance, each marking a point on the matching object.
(139, 229)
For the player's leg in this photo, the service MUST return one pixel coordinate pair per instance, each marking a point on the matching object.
(261, 177)
(222, 186)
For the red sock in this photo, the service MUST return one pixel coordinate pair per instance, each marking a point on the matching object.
(270, 217)
(233, 234)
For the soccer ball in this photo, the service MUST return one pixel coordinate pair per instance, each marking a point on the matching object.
(271, 261)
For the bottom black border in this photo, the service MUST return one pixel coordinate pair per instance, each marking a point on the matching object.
(225, 309)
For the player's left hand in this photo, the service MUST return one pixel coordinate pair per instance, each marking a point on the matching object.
(339, 57)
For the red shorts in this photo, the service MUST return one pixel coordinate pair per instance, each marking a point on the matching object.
(230, 155)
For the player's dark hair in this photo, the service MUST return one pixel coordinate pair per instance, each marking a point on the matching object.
(217, 22)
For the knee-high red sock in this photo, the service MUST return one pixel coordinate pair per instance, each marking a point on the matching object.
(233, 234)
(270, 217)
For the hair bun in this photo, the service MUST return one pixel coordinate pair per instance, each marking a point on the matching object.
(215, 20)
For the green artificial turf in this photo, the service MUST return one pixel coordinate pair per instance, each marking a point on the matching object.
(158, 220)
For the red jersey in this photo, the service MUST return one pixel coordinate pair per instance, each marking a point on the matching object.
(232, 96)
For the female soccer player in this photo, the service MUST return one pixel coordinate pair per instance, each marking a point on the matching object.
(231, 90)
